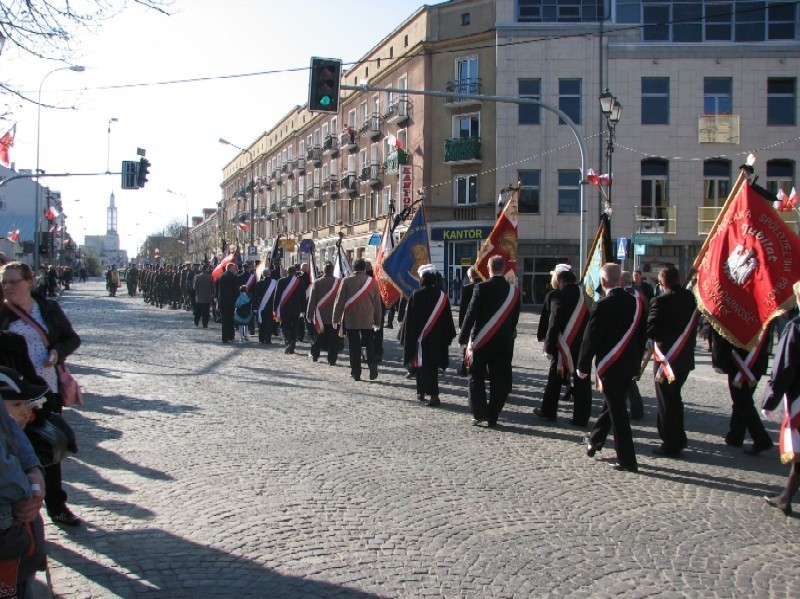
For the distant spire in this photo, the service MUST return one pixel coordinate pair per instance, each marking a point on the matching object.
(111, 219)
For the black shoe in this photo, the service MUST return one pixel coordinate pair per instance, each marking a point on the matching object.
(373, 372)
(64, 516)
(590, 448)
(356, 377)
(389, 326)
(730, 443)
(420, 397)
(289, 349)
(492, 423)
(757, 449)
(783, 506)
(667, 453)
(541, 415)
(313, 358)
(579, 424)
(620, 468)
(637, 416)
(434, 401)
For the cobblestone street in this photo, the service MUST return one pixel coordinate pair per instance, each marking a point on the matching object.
(238, 471)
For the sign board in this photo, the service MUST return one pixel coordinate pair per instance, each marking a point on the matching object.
(647, 239)
(252, 251)
(405, 185)
(307, 246)
(639, 250)
(622, 248)
(287, 244)
(466, 261)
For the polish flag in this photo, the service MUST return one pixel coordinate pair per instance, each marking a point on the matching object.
(792, 199)
(243, 226)
(14, 235)
(598, 180)
(50, 213)
(394, 142)
(785, 203)
(6, 143)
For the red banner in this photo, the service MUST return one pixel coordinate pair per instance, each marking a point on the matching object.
(389, 293)
(751, 260)
(502, 241)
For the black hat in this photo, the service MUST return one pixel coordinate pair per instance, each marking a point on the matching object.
(13, 386)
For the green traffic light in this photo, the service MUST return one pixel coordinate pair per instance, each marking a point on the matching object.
(325, 101)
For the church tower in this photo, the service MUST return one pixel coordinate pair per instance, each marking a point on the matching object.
(112, 236)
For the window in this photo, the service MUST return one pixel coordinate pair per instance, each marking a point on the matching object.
(529, 198)
(559, 11)
(719, 22)
(654, 186)
(716, 182)
(351, 118)
(780, 175)
(717, 95)
(781, 102)
(569, 99)
(362, 114)
(687, 26)
(466, 190)
(467, 75)
(467, 126)
(466, 19)
(655, 100)
(569, 192)
(386, 198)
(529, 114)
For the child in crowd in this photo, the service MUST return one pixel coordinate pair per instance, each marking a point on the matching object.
(243, 313)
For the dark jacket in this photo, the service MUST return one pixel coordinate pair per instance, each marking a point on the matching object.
(486, 301)
(785, 376)
(227, 290)
(295, 303)
(436, 343)
(669, 315)
(562, 305)
(60, 333)
(722, 355)
(544, 317)
(466, 298)
(610, 319)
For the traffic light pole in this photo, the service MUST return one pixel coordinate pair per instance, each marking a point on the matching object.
(43, 176)
(507, 100)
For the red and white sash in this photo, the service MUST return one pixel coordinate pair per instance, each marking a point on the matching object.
(358, 295)
(287, 293)
(616, 351)
(495, 322)
(565, 339)
(270, 290)
(745, 374)
(432, 320)
(319, 326)
(664, 371)
(789, 440)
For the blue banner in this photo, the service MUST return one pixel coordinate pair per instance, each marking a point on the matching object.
(407, 256)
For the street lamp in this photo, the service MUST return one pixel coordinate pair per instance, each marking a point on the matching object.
(611, 110)
(38, 201)
(113, 119)
(252, 189)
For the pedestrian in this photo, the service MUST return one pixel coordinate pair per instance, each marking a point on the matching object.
(561, 329)
(243, 313)
(784, 387)
(614, 336)
(319, 313)
(263, 295)
(203, 288)
(635, 402)
(112, 281)
(487, 334)
(290, 302)
(428, 334)
(227, 292)
(358, 308)
(672, 325)
(50, 339)
(642, 286)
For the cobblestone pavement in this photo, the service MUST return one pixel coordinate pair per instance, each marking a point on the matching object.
(238, 471)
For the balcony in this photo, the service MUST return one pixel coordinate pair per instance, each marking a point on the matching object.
(472, 212)
(330, 187)
(371, 127)
(349, 184)
(470, 86)
(372, 175)
(286, 204)
(348, 140)
(274, 175)
(299, 165)
(330, 145)
(718, 129)
(707, 215)
(313, 193)
(286, 169)
(274, 207)
(314, 156)
(398, 111)
(655, 220)
(394, 160)
(465, 150)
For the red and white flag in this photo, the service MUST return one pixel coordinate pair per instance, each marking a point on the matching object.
(6, 143)
(389, 293)
(785, 203)
(502, 241)
(598, 180)
(746, 268)
(14, 235)
(51, 213)
(243, 226)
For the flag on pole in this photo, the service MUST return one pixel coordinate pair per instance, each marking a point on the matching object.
(785, 203)
(243, 226)
(220, 268)
(341, 267)
(14, 235)
(746, 267)
(599, 254)
(389, 293)
(6, 143)
(401, 265)
(502, 241)
(50, 213)
(598, 180)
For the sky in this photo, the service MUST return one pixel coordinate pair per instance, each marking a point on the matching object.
(178, 124)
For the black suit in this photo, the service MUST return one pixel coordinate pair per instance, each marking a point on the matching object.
(291, 309)
(466, 298)
(559, 306)
(670, 314)
(496, 354)
(228, 289)
(612, 317)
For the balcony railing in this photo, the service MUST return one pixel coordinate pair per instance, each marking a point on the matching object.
(718, 129)
(470, 86)
(707, 215)
(655, 219)
(462, 150)
(313, 192)
(349, 183)
(371, 127)
(286, 168)
(330, 187)
(371, 174)
(286, 202)
(274, 207)
(314, 156)
(398, 111)
(394, 160)
(348, 140)
(331, 144)
(274, 175)
(472, 212)
(299, 165)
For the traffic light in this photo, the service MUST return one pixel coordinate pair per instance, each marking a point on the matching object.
(323, 90)
(141, 174)
(130, 174)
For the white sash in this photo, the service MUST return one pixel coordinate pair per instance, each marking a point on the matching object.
(617, 350)
(432, 320)
(270, 290)
(745, 375)
(319, 326)
(287, 293)
(491, 327)
(664, 370)
(565, 365)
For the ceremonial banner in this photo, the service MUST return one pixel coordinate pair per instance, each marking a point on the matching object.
(502, 241)
(746, 268)
(6, 143)
(389, 293)
(219, 269)
(599, 254)
(341, 265)
(400, 267)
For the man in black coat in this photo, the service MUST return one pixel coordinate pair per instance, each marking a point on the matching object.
(564, 301)
(615, 335)
(228, 291)
(634, 396)
(490, 346)
(466, 294)
(264, 307)
(672, 324)
(290, 302)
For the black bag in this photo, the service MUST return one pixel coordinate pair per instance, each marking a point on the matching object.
(243, 311)
(52, 439)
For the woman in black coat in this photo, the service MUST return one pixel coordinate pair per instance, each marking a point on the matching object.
(429, 331)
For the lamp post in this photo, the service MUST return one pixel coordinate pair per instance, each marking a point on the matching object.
(252, 188)
(611, 110)
(38, 200)
(113, 119)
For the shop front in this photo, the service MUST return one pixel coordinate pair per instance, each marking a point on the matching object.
(453, 251)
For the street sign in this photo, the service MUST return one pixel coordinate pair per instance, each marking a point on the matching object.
(647, 239)
(307, 246)
(622, 248)
(287, 244)
(639, 250)
(252, 251)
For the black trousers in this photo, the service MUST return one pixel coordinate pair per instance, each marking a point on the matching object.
(670, 413)
(745, 418)
(289, 330)
(614, 415)
(581, 395)
(635, 400)
(427, 379)
(355, 339)
(228, 326)
(498, 364)
(328, 340)
(55, 498)
(202, 312)
(266, 326)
